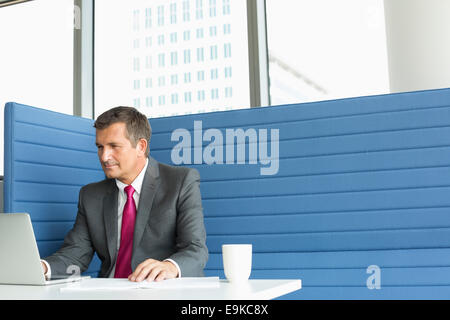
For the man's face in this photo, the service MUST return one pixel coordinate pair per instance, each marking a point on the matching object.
(118, 157)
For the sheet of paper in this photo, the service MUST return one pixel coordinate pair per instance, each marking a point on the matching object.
(182, 283)
(101, 284)
(125, 284)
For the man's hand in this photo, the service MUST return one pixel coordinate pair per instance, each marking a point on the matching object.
(154, 270)
(44, 267)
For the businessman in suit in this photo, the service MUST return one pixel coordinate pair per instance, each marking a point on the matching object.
(144, 220)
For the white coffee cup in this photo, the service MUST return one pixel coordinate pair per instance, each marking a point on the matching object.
(237, 262)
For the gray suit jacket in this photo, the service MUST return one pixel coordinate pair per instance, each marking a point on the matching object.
(169, 223)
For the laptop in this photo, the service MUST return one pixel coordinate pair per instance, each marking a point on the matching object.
(20, 262)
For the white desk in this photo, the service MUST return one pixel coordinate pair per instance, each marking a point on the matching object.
(253, 290)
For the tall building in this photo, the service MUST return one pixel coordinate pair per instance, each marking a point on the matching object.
(189, 56)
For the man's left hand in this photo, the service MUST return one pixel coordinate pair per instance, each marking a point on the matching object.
(154, 270)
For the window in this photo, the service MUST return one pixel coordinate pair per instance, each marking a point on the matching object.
(213, 50)
(200, 54)
(187, 56)
(201, 95)
(148, 63)
(136, 44)
(187, 97)
(201, 75)
(136, 20)
(214, 74)
(186, 14)
(214, 93)
(228, 92)
(161, 100)
(227, 50)
(186, 35)
(161, 58)
(212, 31)
(227, 72)
(173, 13)
(174, 79)
(136, 66)
(160, 15)
(173, 37)
(148, 83)
(226, 7)
(339, 52)
(174, 98)
(212, 8)
(187, 77)
(161, 40)
(137, 84)
(199, 9)
(36, 56)
(161, 81)
(148, 101)
(199, 33)
(173, 58)
(148, 18)
(148, 41)
(227, 28)
(187, 44)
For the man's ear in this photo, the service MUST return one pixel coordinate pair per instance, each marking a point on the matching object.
(142, 146)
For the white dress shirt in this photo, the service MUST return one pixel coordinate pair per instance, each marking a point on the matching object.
(122, 199)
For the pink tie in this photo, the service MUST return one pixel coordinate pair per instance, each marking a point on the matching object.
(123, 264)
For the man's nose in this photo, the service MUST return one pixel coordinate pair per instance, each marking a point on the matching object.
(104, 154)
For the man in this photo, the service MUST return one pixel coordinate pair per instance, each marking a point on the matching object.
(145, 220)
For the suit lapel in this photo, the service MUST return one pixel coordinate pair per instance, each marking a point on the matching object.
(110, 207)
(149, 187)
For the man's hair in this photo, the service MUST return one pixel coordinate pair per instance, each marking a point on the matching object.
(136, 123)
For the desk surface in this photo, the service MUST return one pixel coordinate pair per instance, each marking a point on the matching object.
(252, 290)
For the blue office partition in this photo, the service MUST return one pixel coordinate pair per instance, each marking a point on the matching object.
(349, 195)
(359, 207)
(48, 156)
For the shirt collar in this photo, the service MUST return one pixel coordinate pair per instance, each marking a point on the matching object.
(137, 183)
